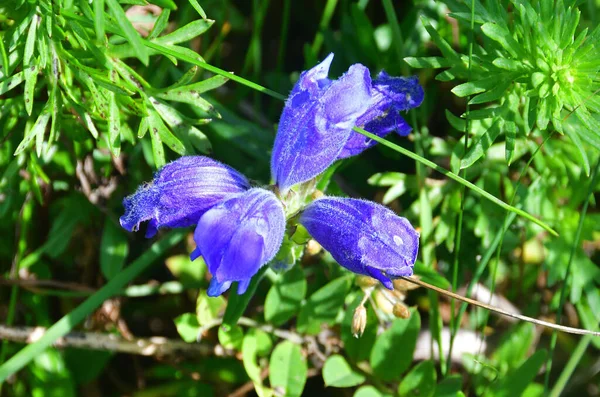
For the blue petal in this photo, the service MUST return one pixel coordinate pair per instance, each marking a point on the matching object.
(357, 143)
(180, 193)
(240, 235)
(389, 96)
(364, 237)
(316, 122)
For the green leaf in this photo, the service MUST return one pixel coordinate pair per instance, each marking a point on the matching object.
(370, 391)
(81, 312)
(285, 296)
(30, 43)
(323, 306)
(510, 131)
(494, 94)
(38, 130)
(50, 376)
(198, 8)
(385, 359)
(129, 31)
(187, 327)
(503, 37)
(420, 381)
(515, 383)
(287, 370)
(428, 62)
(449, 387)
(475, 87)
(231, 337)
(11, 82)
(208, 308)
(160, 24)
(186, 270)
(477, 150)
(338, 373)
(31, 75)
(113, 249)
(186, 33)
(236, 305)
(99, 20)
(157, 127)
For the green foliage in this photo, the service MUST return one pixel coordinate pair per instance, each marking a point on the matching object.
(95, 96)
(535, 69)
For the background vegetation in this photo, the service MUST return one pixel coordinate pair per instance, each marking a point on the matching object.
(95, 96)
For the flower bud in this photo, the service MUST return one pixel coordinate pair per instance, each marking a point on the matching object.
(359, 321)
(366, 282)
(383, 302)
(401, 311)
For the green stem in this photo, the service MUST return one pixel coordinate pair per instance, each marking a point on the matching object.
(69, 321)
(456, 178)
(458, 238)
(576, 356)
(325, 19)
(563, 291)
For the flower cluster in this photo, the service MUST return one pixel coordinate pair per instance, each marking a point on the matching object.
(240, 228)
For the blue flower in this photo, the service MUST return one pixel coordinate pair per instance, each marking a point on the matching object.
(315, 128)
(238, 236)
(364, 237)
(239, 229)
(180, 193)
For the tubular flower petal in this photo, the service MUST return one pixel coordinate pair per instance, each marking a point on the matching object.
(364, 237)
(238, 236)
(180, 193)
(315, 128)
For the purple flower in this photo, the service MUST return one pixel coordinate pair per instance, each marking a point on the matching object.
(180, 193)
(238, 236)
(315, 128)
(364, 237)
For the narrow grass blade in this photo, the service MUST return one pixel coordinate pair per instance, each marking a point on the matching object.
(457, 178)
(130, 33)
(69, 321)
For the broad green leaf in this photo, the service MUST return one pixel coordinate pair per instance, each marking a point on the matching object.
(186, 33)
(209, 308)
(287, 369)
(387, 363)
(186, 270)
(187, 327)
(129, 31)
(515, 383)
(323, 306)
(420, 381)
(50, 376)
(113, 249)
(285, 296)
(231, 337)
(449, 387)
(370, 391)
(249, 358)
(338, 373)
